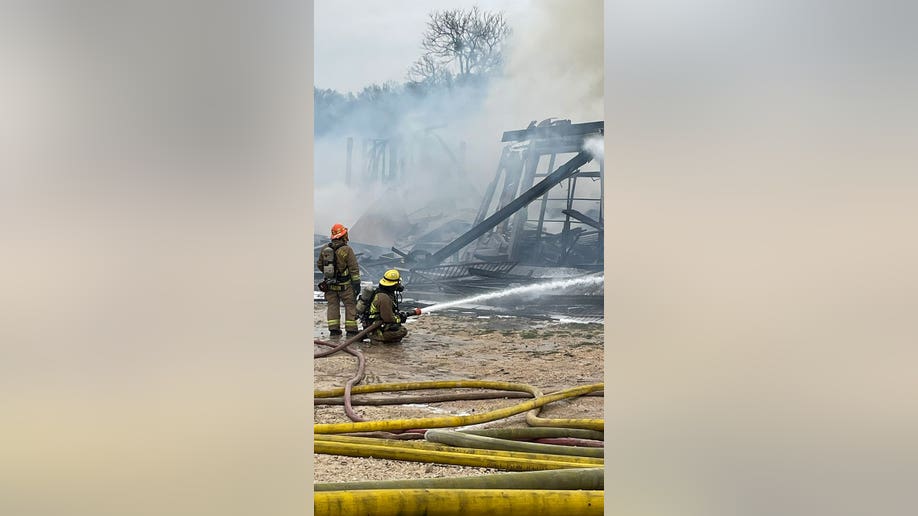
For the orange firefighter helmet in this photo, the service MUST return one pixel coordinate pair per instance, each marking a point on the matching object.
(338, 231)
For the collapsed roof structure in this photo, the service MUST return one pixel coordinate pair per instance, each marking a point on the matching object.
(540, 216)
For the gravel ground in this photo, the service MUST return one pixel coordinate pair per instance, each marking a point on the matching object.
(452, 345)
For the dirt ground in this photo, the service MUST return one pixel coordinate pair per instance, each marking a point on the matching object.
(455, 345)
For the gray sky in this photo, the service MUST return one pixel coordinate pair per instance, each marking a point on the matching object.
(360, 42)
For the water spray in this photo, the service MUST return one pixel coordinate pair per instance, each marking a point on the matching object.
(526, 289)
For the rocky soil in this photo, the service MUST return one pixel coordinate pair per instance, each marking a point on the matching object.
(456, 345)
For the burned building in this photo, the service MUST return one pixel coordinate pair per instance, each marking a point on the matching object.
(542, 208)
(541, 216)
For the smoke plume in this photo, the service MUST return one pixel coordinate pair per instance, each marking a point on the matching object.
(553, 69)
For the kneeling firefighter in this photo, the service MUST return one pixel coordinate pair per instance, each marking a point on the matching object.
(341, 285)
(384, 307)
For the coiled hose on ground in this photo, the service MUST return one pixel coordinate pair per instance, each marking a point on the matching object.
(361, 365)
(453, 421)
(576, 473)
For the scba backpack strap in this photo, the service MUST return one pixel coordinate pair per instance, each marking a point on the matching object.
(341, 270)
(364, 300)
(329, 264)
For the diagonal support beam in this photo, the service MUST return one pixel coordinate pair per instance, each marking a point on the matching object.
(586, 219)
(560, 174)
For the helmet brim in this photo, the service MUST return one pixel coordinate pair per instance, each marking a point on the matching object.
(387, 283)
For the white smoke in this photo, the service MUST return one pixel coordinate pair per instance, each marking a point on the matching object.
(563, 79)
(596, 147)
(554, 65)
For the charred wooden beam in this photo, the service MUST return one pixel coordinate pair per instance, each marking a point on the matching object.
(553, 131)
(563, 172)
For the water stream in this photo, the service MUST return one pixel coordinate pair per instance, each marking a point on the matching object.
(515, 291)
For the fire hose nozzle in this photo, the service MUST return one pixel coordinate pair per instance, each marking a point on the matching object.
(410, 313)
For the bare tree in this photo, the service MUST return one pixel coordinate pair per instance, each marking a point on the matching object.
(461, 43)
(426, 70)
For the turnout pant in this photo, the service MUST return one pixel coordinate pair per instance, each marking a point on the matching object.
(393, 336)
(335, 298)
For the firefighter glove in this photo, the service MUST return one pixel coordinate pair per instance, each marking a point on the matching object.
(356, 285)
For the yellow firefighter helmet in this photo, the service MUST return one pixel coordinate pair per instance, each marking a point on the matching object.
(391, 277)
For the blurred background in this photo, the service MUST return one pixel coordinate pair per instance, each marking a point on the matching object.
(155, 196)
(761, 259)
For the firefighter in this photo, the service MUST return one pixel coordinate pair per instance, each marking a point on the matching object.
(338, 263)
(384, 307)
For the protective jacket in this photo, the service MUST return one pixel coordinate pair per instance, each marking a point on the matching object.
(384, 307)
(347, 271)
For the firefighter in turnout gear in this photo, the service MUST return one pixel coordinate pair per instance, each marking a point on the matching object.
(384, 307)
(338, 264)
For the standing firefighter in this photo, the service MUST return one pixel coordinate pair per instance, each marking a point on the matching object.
(384, 307)
(338, 264)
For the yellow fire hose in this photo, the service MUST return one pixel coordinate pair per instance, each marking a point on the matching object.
(581, 478)
(532, 417)
(573, 478)
(443, 457)
(456, 502)
(417, 386)
(449, 421)
(432, 398)
(433, 446)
